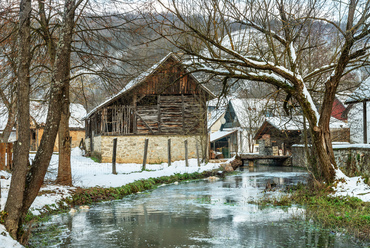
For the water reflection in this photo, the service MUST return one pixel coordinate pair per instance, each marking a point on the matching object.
(193, 214)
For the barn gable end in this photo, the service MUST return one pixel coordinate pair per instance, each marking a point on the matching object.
(164, 101)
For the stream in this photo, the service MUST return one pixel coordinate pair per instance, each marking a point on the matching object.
(203, 213)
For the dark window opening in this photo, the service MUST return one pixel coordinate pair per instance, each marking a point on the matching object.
(148, 101)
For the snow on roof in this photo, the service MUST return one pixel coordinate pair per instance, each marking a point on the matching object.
(3, 117)
(141, 78)
(218, 102)
(361, 93)
(220, 134)
(286, 123)
(296, 123)
(249, 111)
(39, 111)
(348, 145)
(343, 96)
(215, 115)
(216, 110)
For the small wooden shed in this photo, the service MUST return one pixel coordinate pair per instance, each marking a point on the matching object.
(165, 102)
(282, 132)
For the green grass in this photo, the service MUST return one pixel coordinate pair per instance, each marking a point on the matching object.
(83, 196)
(334, 213)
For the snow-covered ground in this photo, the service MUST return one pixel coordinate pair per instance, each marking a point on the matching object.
(87, 173)
(351, 186)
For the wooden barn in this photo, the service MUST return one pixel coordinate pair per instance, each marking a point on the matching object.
(165, 102)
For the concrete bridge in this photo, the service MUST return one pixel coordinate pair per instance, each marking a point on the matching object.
(268, 159)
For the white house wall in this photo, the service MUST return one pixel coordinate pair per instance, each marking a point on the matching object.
(355, 122)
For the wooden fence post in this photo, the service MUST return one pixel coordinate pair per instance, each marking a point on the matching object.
(9, 155)
(186, 153)
(2, 156)
(145, 153)
(169, 152)
(114, 156)
(196, 147)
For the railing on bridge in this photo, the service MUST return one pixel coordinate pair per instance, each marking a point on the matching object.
(6, 156)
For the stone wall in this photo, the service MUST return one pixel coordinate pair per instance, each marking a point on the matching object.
(87, 144)
(130, 149)
(353, 159)
(98, 143)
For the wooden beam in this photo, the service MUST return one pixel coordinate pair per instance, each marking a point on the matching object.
(183, 113)
(201, 117)
(159, 113)
(9, 156)
(2, 155)
(169, 152)
(134, 114)
(196, 146)
(145, 153)
(186, 153)
(365, 121)
(146, 124)
(114, 156)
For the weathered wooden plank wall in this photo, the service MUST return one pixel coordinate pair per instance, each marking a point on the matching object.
(168, 102)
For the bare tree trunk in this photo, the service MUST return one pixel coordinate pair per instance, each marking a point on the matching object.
(64, 168)
(60, 79)
(21, 155)
(321, 139)
(26, 183)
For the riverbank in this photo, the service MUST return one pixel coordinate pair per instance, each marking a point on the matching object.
(95, 182)
(343, 208)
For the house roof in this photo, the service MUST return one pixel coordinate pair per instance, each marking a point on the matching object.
(221, 134)
(38, 114)
(39, 111)
(249, 111)
(215, 115)
(218, 112)
(3, 117)
(362, 93)
(286, 123)
(338, 110)
(140, 79)
(295, 123)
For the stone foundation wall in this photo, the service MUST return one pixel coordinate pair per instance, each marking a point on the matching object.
(87, 144)
(353, 159)
(130, 149)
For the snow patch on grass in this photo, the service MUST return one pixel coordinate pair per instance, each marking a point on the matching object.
(351, 186)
